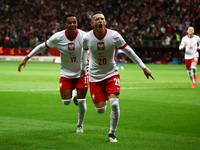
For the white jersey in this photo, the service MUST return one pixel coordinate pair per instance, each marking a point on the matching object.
(191, 47)
(70, 51)
(102, 51)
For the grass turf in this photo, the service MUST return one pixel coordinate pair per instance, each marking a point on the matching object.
(155, 114)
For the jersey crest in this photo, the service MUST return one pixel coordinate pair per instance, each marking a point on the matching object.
(71, 46)
(100, 46)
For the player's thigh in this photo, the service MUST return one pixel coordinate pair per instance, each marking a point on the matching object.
(188, 63)
(81, 94)
(113, 86)
(100, 104)
(66, 94)
(194, 61)
(98, 92)
(66, 87)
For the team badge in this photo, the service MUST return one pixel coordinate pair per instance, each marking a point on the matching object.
(100, 46)
(71, 46)
(93, 96)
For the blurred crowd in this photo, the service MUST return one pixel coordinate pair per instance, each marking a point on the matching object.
(26, 23)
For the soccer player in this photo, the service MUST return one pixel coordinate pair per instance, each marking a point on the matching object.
(104, 80)
(190, 43)
(120, 58)
(69, 43)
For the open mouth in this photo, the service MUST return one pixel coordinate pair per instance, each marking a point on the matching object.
(73, 28)
(100, 27)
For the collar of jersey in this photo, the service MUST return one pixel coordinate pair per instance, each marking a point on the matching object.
(74, 36)
(190, 37)
(103, 35)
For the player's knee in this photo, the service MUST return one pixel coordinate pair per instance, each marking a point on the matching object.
(193, 67)
(101, 110)
(82, 106)
(66, 101)
(114, 103)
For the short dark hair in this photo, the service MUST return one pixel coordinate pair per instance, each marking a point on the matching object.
(96, 12)
(69, 15)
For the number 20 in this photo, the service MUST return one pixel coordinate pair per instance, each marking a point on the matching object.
(117, 81)
(102, 61)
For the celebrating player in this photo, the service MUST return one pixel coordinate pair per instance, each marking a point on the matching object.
(103, 75)
(69, 43)
(190, 43)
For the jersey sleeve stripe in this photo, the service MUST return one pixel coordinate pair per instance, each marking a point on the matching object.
(47, 45)
(123, 46)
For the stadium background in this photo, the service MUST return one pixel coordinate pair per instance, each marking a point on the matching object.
(160, 114)
(153, 28)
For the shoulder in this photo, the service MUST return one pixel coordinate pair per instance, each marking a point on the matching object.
(185, 37)
(88, 34)
(196, 36)
(81, 32)
(58, 35)
(113, 32)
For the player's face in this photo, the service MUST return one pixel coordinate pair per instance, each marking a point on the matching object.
(98, 22)
(71, 24)
(190, 30)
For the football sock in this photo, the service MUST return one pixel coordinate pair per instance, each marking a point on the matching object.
(74, 93)
(66, 101)
(191, 75)
(101, 110)
(82, 107)
(117, 63)
(194, 69)
(114, 115)
(122, 64)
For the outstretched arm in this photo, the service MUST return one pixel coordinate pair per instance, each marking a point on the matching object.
(147, 73)
(23, 63)
(34, 52)
(129, 51)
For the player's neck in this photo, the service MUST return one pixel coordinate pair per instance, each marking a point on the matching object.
(71, 34)
(100, 34)
(190, 35)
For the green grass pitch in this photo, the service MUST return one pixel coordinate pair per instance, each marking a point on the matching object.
(160, 114)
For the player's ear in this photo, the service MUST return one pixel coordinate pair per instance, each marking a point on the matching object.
(91, 23)
(65, 24)
(105, 22)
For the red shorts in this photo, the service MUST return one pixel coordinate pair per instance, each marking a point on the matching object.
(188, 62)
(66, 83)
(101, 90)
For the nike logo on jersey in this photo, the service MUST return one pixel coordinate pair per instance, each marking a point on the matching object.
(71, 46)
(100, 46)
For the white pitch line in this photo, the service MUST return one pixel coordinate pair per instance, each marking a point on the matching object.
(159, 82)
(131, 88)
(122, 88)
(38, 90)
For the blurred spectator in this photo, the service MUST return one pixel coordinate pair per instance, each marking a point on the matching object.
(156, 56)
(181, 55)
(146, 58)
(27, 23)
(169, 57)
